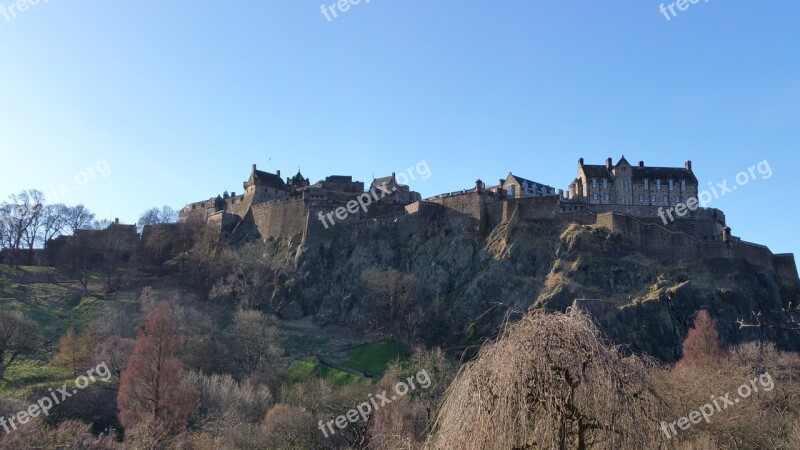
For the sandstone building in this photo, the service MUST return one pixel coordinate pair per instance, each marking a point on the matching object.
(624, 184)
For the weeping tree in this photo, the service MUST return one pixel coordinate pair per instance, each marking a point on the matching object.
(550, 381)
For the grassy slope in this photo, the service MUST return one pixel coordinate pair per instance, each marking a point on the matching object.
(56, 304)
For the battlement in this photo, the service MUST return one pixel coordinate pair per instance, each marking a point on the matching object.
(624, 199)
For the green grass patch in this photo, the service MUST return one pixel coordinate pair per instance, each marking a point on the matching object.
(292, 341)
(306, 368)
(375, 356)
(30, 372)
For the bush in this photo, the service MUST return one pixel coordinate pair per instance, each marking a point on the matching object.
(550, 381)
(224, 403)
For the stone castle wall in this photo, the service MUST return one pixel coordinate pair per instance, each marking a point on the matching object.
(704, 223)
(785, 266)
(464, 203)
(657, 242)
(280, 218)
(696, 236)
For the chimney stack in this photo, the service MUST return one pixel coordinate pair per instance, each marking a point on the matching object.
(688, 166)
(278, 173)
(580, 162)
(254, 168)
(609, 164)
(641, 163)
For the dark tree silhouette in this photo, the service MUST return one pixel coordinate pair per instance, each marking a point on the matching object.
(17, 337)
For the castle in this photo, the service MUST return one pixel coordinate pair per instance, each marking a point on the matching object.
(621, 198)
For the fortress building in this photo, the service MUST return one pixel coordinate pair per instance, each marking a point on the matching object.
(271, 206)
(624, 184)
(621, 198)
(516, 187)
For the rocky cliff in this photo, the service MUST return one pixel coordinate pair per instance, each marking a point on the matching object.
(468, 282)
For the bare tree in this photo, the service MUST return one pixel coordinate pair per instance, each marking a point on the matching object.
(790, 319)
(76, 259)
(117, 246)
(20, 217)
(54, 221)
(254, 335)
(18, 336)
(77, 218)
(550, 381)
(155, 216)
(391, 297)
(34, 202)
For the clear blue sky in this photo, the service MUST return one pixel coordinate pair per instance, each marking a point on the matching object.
(180, 98)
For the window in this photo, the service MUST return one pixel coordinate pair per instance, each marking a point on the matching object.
(605, 197)
(594, 197)
(683, 185)
(594, 182)
(605, 183)
(666, 199)
(677, 199)
(641, 199)
(510, 190)
(671, 185)
(658, 184)
(653, 198)
(626, 185)
(646, 184)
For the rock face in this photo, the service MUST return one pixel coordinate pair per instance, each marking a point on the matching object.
(470, 282)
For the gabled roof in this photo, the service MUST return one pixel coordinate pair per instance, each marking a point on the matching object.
(640, 173)
(524, 181)
(298, 180)
(261, 178)
(387, 181)
(383, 180)
(596, 171)
(676, 173)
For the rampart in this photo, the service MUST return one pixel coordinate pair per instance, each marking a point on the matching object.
(280, 218)
(699, 235)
